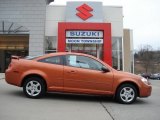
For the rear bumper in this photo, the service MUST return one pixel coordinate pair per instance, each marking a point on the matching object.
(12, 77)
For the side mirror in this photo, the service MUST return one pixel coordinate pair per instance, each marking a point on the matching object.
(104, 69)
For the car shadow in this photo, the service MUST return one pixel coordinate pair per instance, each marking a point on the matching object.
(142, 101)
(76, 97)
(16, 93)
(64, 96)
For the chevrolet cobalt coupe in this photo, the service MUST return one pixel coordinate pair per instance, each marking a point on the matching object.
(74, 73)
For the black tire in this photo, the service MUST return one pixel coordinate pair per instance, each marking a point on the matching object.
(126, 94)
(34, 87)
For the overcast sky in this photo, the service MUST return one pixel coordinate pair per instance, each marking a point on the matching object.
(142, 16)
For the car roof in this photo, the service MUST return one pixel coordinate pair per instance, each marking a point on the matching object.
(63, 53)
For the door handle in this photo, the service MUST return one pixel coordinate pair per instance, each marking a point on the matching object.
(72, 71)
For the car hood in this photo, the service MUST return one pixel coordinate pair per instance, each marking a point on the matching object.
(128, 75)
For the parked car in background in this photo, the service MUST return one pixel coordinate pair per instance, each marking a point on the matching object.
(146, 75)
(155, 76)
(74, 73)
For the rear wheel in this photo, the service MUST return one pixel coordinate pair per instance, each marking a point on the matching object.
(126, 94)
(34, 87)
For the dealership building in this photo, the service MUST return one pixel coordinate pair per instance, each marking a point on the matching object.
(33, 27)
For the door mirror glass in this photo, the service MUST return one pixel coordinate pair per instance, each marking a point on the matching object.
(104, 69)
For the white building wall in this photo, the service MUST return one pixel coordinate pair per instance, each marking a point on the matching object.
(55, 14)
(114, 16)
(30, 14)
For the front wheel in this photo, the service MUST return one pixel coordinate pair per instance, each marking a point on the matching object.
(126, 94)
(34, 87)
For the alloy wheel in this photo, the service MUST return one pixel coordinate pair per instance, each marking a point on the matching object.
(33, 88)
(127, 94)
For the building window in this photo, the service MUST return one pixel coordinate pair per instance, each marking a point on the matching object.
(117, 58)
(50, 44)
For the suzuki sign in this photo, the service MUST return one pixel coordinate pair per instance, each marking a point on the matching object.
(84, 41)
(84, 12)
(84, 34)
(84, 37)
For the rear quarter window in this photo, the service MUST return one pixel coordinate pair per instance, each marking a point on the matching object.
(52, 60)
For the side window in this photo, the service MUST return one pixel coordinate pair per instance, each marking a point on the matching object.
(95, 64)
(52, 60)
(83, 62)
(72, 60)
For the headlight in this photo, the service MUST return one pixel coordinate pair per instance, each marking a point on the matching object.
(145, 80)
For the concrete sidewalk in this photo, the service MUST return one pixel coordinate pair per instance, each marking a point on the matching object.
(2, 76)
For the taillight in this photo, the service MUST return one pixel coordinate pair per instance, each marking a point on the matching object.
(13, 63)
(9, 65)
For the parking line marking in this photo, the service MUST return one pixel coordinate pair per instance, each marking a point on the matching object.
(107, 110)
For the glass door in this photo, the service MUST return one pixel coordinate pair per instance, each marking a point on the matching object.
(91, 49)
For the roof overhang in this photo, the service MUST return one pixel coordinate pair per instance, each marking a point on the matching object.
(49, 1)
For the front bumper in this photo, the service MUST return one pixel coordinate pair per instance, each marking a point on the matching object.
(145, 91)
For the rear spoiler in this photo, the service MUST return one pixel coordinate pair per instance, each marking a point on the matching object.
(15, 57)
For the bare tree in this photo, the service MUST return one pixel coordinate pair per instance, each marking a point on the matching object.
(158, 59)
(145, 55)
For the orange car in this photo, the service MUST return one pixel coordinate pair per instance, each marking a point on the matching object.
(74, 73)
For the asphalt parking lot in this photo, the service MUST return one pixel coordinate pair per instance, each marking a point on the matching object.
(15, 106)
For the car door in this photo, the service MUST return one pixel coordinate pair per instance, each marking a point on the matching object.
(53, 69)
(84, 74)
